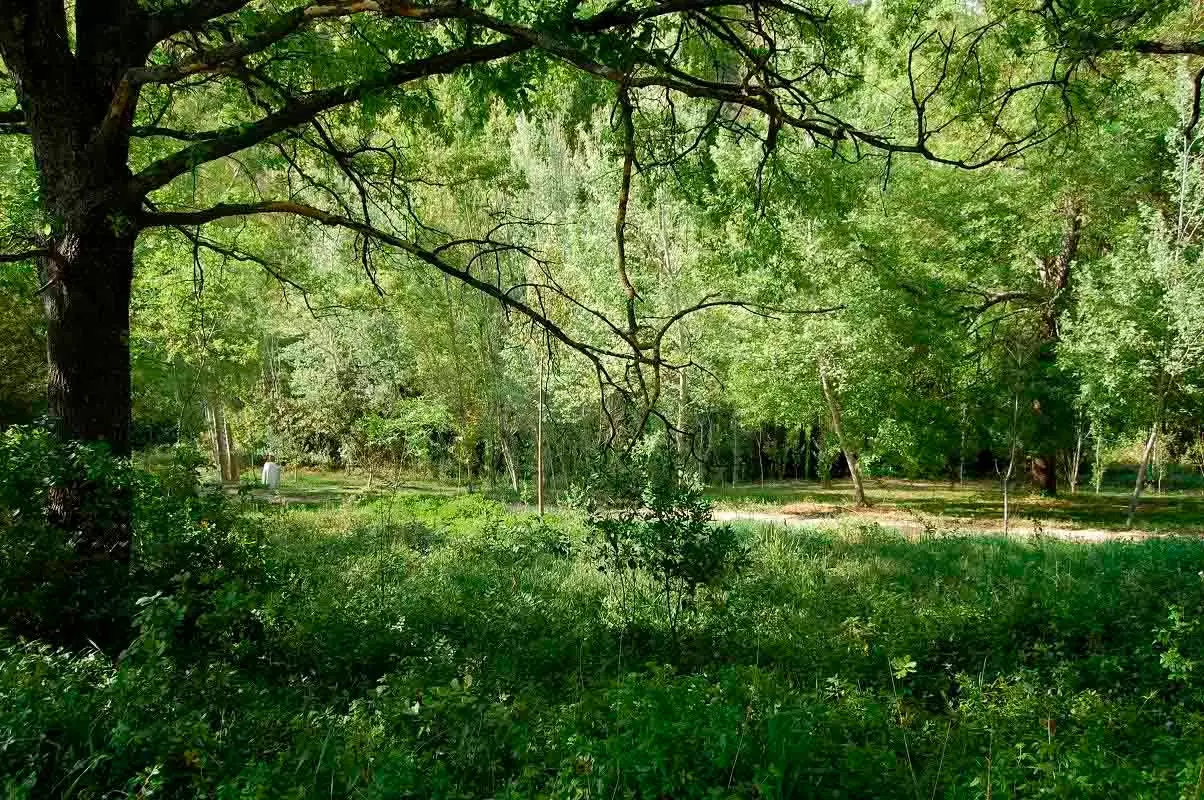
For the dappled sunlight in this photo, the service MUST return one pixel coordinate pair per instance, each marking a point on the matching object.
(974, 506)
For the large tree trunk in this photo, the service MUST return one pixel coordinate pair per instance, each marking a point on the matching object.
(87, 302)
(70, 86)
(1049, 407)
(87, 299)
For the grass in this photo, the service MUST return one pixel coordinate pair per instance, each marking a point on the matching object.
(977, 503)
(419, 646)
(310, 486)
(974, 504)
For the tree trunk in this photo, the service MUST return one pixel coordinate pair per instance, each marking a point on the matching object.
(808, 443)
(1007, 478)
(1097, 466)
(1044, 473)
(1141, 471)
(69, 81)
(1077, 459)
(87, 301)
(508, 457)
(1145, 456)
(232, 462)
(1049, 408)
(761, 453)
(961, 452)
(735, 450)
(850, 455)
(539, 441)
(823, 464)
(683, 405)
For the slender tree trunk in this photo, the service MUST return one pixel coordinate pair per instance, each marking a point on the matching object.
(1141, 472)
(761, 453)
(850, 455)
(1007, 478)
(223, 444)
(683, 399)
(823, 464)
(508, 457)
(539, 441)
(507, 450)
(1077, 460)
(961, 453)
(808, 444)
(1145, 456)
(735, 450)
(232, 460)
(1159, 465)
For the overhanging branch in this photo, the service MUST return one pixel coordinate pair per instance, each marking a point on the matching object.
(305, 109)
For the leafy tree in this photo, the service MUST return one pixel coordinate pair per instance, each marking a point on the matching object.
(1139, 337)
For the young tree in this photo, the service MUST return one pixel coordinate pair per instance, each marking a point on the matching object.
(1139, 337)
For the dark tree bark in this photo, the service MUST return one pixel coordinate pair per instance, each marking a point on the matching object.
(87, 301)
(77, 117)
(1048, 407)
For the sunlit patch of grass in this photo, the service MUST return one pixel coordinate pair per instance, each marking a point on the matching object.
(976, 504)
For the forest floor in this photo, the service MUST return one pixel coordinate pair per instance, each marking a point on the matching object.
(974, 506)
(442, 647)
(909, 506)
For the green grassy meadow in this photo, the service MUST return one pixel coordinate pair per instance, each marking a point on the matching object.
(427, 646)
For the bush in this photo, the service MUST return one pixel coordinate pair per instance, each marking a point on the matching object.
(191, 548)
(652, 518)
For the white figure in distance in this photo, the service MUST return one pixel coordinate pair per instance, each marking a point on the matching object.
(271, 474)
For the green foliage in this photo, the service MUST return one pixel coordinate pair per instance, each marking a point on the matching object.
(441, 648)
(650, 518)
(40, 589)
(193, 552)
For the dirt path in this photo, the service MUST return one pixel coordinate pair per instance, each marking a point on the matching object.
(911, 527)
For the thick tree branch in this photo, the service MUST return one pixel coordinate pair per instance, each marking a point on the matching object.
(280, 29)
(13, 121)
(190, 16)
(28, 255)
(305, 109)
(1155, 48)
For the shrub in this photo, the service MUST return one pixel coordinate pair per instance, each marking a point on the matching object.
(652, 518)
(192, 546)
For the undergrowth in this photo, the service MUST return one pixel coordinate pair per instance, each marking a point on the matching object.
(435, 647)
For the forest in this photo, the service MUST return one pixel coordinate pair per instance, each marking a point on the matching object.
(601, 399)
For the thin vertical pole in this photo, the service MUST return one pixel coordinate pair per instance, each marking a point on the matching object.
(539, 439)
